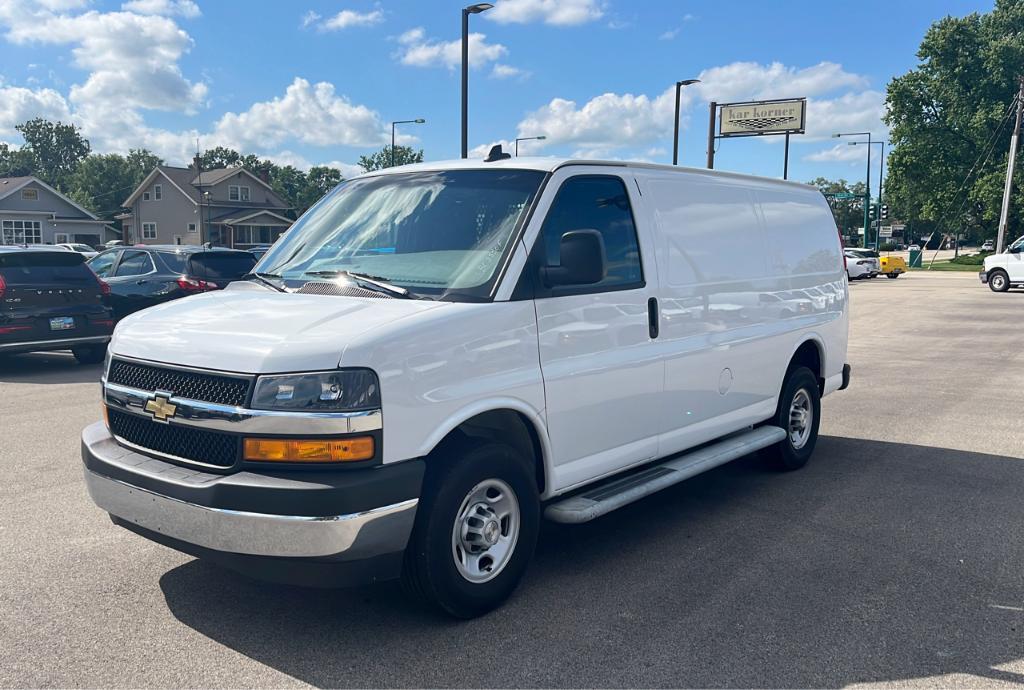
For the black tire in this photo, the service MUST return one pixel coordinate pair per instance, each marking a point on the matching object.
(786, 454)
(430, 572)
(90, 355)
(892, 276)
(998, 281)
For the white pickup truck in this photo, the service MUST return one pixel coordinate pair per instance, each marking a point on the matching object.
(437, 356)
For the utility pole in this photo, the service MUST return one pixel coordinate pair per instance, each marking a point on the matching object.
(1004, 214)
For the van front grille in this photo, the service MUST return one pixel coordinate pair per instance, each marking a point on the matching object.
(214, 388)
(197, 445)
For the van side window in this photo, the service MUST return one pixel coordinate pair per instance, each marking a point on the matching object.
(596, 202)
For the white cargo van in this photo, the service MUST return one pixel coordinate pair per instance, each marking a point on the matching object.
(1004, 269)
(438, 355)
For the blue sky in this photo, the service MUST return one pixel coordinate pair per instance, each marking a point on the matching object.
(319, 81)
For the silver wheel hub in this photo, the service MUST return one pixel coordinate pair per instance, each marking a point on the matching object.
(485, 531)
(801, 418)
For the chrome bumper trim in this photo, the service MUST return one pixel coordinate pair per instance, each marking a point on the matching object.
(371, 533)
(85, 340)
(240, 420)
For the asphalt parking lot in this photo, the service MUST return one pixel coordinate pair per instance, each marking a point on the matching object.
(895, 558)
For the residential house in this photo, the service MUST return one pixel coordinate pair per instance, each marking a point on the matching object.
(33, 212)
(227, 207)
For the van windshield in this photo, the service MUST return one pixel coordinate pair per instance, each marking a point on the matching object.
(434, 233)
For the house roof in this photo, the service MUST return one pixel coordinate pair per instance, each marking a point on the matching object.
(188, 183)
(9, 185)
(250, 216)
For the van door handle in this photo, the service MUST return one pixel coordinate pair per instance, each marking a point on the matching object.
(652, 317)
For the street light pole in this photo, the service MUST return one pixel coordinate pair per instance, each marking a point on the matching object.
(675, 128)
(881, 178)
(538, 138)
(867, 186)
(466, 11)
(418, 121)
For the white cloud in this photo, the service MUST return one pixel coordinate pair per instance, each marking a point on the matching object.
(132, 59)
(347, 169)
(419, 51)
(18, 104)
(840, 153)
(309, 19)
(167, 8)
(346, 19)
(669, 35)
(554, 12)
(308, 113)
(614, 124)
(502, 71)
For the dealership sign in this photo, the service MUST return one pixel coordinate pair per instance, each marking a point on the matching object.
(762, 117)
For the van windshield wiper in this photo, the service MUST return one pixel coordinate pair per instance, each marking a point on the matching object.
(266, 279)
(375, 282)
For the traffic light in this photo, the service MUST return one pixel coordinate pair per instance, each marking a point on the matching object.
(885, 211)
(874, 211)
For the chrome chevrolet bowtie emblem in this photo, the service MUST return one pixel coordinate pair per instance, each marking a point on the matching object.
(161, 407)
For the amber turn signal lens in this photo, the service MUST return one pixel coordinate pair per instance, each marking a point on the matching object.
(106, 416)
(308, 450)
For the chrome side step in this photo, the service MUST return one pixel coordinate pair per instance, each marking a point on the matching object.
(604, 498)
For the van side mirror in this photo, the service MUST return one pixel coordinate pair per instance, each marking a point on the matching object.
(1014, 250)
(581, 260)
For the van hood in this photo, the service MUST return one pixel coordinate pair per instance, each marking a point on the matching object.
(250, 329)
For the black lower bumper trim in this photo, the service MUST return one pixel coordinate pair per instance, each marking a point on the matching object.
(846, 377)
(321, 492)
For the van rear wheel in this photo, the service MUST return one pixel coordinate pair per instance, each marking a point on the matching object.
(798, 414)
(476, 528)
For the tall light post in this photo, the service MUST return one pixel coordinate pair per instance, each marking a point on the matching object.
(466, 11)
(675, 130)
(867, 186)
(418, 121)
(541, 137)
(881, 176)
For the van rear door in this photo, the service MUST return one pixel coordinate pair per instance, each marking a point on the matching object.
(602, 375)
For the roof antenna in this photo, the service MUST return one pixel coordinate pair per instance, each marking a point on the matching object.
(496, 154)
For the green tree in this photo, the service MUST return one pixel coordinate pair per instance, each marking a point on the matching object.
(219, 157)
(382, 159)
(102, 181)
(15, 162)
(949, 113)
(319, 180)
(56, 150)
(849, 213)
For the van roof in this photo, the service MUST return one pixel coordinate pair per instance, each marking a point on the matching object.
(552, 163)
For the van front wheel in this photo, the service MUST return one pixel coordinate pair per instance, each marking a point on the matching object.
(476, 528)
(798, 414)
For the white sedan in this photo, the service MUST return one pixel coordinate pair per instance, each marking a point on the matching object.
(83, 249)
(857, 267)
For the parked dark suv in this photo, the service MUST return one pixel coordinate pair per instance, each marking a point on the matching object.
(143, 276)
(50, 300)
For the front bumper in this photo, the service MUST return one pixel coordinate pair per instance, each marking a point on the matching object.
(317, 527)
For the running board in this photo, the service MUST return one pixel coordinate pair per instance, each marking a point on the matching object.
(604, 498)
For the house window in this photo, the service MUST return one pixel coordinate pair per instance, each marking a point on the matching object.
(21, 232)
(145, 196)
(192, 227)
(253, 234)
(30, 194)
(158, 192)
(238, 193)
(149, 231)
(61, 238)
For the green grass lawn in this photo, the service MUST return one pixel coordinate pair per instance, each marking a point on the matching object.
(947, 266)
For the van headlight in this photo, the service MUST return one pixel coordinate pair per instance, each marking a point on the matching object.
(343, 390)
